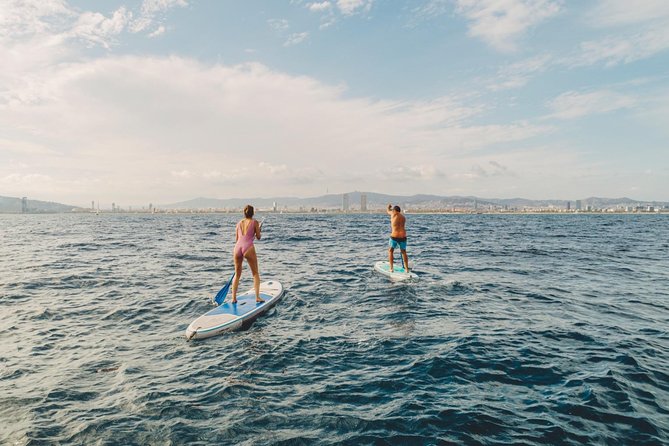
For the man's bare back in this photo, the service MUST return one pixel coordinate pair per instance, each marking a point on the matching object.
(398, 236)
(397, 222)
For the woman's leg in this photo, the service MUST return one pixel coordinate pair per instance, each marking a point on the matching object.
(252, 258)
(238, 273)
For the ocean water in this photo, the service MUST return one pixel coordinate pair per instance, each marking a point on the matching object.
(523, 329)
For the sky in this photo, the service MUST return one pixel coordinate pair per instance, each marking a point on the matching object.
(158, 101)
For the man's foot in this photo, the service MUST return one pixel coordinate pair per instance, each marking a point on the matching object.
(234, 300)
(259, 300)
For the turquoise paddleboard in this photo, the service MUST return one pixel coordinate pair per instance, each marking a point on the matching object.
(397, 274)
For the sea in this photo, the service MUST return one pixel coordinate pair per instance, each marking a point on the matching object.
(521, 330)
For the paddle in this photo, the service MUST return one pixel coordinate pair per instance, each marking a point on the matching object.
(220, 297)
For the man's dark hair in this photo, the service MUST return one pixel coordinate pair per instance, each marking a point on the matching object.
(397, 208)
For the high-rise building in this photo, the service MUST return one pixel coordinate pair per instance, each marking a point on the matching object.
(274, 206)
(363, 202)
(568, 205)
(345, 203)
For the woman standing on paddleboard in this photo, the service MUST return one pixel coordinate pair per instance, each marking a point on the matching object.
(246, 230)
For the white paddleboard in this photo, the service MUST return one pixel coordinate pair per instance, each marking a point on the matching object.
(228, 316)
(398, 274)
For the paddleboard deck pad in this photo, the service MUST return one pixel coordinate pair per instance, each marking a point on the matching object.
(228, 316)
(398, 273)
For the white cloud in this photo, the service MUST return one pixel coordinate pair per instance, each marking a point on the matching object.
(278, 24)
(159, 31)
(501, 22)
(273, 169)
(118, 118)
(296, 38)
(349, 7)
(95, 28)
(641, 31)
(411, 173)
(27, 18)
(182, 174)
(150, 15)
(518, 74)
(319, 6)
(572, 105)
(624, 12)
(152, 7)
(625, 48)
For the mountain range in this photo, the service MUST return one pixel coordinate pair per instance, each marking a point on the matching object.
(422, 201)
(13, 205)
(375, 201)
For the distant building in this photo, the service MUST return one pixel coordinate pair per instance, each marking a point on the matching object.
(113, 207)
(345, 202)
(363, 202)
(92, 205)
(274, 206)
(24, 205)
(569, 205)
(578, 205)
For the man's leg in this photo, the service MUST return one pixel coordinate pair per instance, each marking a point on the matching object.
(390, 258)
(406, 259)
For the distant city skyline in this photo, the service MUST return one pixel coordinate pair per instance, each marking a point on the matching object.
(158, 101)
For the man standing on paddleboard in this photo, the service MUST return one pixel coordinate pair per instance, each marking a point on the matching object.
(398, 236)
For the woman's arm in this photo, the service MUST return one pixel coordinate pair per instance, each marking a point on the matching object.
(258, 235)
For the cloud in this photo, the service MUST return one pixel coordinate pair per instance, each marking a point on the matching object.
(319, 6)
(182, 174)
(116, 119)
(518, 74)
(641, 31)
(501, 22)
(273, 169)
(153, 7)
(150, 12)
(296, 38)
(623, 47)
(159, 31)
(609, 13)
(572, 105)
(350, 7)
(411, 173)
(278, 24)
(95, 28)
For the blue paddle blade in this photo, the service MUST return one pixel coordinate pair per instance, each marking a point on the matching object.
(220, 297)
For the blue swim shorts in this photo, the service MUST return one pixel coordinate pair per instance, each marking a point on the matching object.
(397, 242)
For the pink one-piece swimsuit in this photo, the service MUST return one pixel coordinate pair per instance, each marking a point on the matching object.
(244, 241)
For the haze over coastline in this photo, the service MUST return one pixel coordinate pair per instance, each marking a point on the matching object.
(163, 101)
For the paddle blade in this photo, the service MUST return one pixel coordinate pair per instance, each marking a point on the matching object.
(220, 296)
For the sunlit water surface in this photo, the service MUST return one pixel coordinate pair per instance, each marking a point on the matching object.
(523, 329)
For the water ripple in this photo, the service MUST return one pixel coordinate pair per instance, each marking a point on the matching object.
(522, 330)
